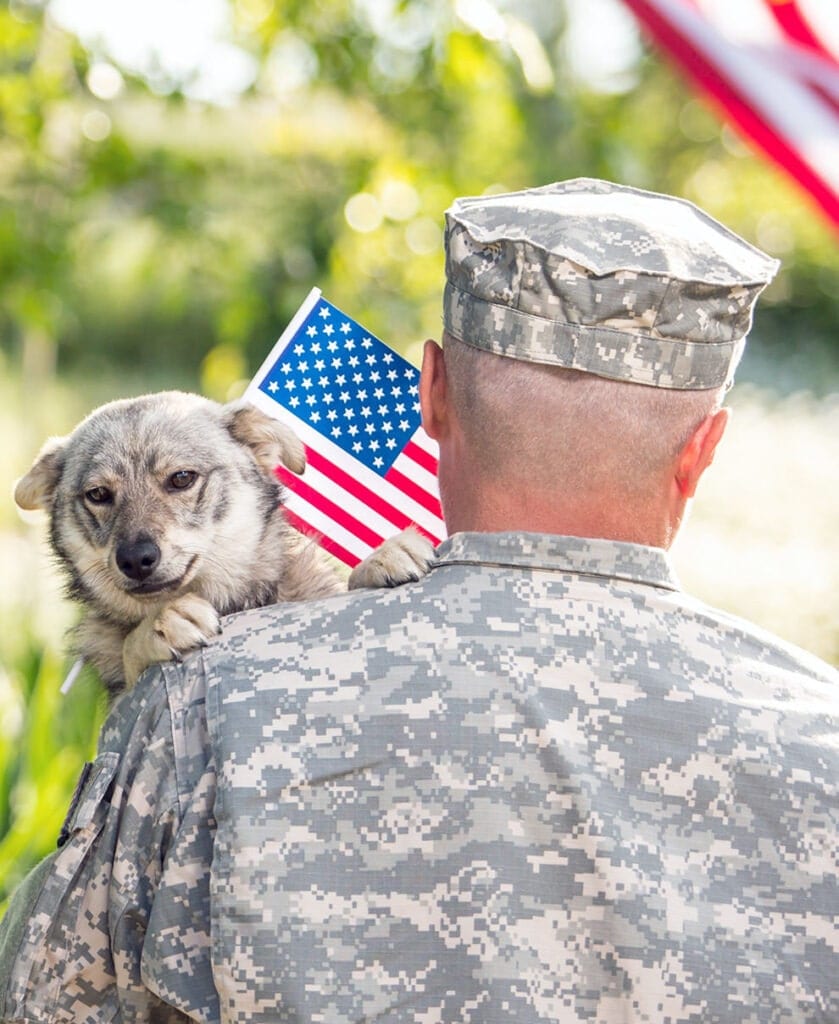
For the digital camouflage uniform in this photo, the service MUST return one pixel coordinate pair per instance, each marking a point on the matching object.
(540, 784)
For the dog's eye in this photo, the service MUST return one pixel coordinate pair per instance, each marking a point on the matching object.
(99, 496)
(182, 479)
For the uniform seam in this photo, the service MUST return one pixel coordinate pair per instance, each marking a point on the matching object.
(563, 571)
(177, 710)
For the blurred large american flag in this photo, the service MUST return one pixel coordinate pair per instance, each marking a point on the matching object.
(371, 468)
(771, 72)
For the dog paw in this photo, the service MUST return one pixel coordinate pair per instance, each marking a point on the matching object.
(401, 559)
(168, 634)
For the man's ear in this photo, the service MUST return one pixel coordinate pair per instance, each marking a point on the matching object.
(433, 390)
(35, 490)
(272, 442)
(698, 453)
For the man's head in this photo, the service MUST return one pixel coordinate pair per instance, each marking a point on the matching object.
(591, 332)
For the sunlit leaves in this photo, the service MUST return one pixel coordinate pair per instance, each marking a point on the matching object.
(148, 226)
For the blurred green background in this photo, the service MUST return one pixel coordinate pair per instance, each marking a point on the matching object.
(168, 196)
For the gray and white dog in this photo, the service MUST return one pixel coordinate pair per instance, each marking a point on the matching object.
(165, 513)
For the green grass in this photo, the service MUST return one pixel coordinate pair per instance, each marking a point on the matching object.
(45, 737)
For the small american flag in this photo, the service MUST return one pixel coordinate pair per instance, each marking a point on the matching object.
(371, 468)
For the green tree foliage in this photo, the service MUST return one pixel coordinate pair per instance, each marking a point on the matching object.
(147, 230)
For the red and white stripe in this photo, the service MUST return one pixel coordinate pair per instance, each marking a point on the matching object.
(793, 18)
(349, 508)
(771, 69)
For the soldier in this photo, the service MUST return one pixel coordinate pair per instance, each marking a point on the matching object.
(540, 784)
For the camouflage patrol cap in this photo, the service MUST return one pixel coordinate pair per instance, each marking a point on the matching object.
(604, 278)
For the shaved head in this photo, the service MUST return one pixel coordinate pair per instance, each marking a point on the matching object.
(568, 432)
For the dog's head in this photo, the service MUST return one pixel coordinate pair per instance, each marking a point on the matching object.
(149, 497)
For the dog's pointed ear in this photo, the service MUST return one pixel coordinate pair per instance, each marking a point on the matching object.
(35, 490)
(272, 442)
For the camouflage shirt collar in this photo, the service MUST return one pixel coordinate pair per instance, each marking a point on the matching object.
(551, 552)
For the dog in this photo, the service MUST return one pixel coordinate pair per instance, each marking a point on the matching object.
(166, 514)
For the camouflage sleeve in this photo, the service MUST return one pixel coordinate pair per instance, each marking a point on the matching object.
(176, 955)
(73, 940)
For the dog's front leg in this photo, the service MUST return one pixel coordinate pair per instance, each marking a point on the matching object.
(404, 558)
(175, 629)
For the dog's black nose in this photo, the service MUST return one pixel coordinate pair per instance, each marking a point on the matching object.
(137, 559)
